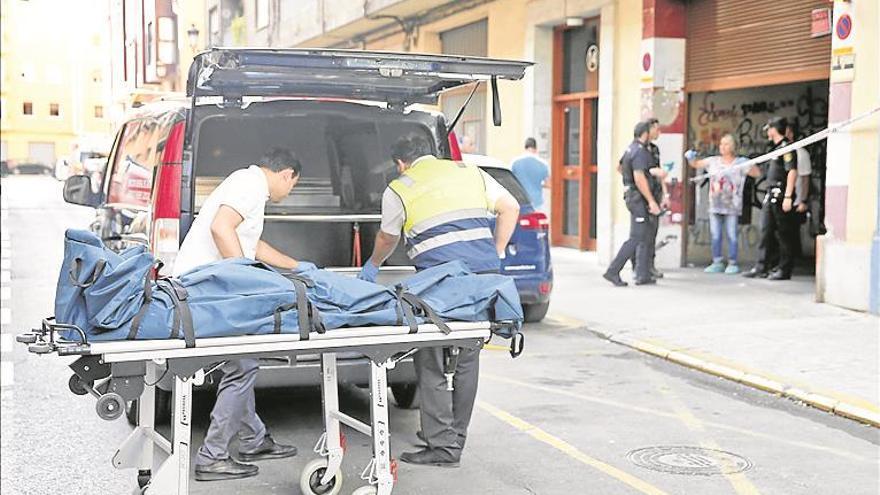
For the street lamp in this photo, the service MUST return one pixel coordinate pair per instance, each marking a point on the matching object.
(193, 35)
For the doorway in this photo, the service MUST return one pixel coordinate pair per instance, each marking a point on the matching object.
(575, 119)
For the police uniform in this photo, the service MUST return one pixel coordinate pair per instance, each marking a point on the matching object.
(657, 192)
(447, 208)
(775, 249)
(637, 157)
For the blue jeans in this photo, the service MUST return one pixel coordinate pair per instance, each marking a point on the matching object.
(729, 222)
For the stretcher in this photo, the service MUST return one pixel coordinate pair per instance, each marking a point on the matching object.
(119, 371)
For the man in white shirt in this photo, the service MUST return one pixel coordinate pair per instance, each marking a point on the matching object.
(229, 225)
(801, 188)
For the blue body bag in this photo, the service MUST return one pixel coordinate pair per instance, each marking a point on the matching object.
(114, 296)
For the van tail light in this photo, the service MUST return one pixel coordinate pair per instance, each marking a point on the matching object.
(534, 221)
(165, 233)
(166, 242)
(545, 287)
(454, 150)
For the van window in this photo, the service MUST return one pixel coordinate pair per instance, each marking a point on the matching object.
(346, 160)
(136, 156)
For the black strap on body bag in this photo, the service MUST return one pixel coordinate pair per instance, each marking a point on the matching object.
(74, 273)
(148, 298)
(413, 305)
(307, 314)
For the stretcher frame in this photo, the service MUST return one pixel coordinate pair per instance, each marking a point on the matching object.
(132, 369)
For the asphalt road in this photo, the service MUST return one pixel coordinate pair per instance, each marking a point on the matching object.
(573, 415)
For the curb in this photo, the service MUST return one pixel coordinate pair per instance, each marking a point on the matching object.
(748, 378)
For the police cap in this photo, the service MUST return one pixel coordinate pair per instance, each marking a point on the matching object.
(778, 123)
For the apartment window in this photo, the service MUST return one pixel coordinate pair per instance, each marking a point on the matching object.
(54, 110)
(261, 7)
(27, 108)
(469, 40)
(213, 27)
(99, 112)
(149, 50)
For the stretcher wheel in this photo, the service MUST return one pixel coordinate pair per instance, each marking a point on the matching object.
(26, 338)
(41, 348)
(78, 386)
(110, 406)
(366, 490)
(310, 479)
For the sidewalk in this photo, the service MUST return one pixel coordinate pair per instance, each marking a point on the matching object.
(770, 335)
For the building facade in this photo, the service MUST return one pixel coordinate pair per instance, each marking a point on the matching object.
(704, 68)
(53, 80)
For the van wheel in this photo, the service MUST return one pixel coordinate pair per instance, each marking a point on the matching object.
(404, 394)
(163, 408)
(535, 312)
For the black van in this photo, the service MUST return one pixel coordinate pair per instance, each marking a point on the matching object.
(339, 111)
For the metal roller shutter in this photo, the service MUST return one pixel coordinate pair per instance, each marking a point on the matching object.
(743, 43)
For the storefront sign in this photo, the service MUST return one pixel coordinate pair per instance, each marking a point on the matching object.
(821, 25)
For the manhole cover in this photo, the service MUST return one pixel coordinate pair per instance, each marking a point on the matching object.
(689, 460)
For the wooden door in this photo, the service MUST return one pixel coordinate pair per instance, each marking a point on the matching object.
(573, 154)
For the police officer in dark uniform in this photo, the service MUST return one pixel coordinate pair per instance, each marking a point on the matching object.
(658, 190)
(643, 208)
(777, 213)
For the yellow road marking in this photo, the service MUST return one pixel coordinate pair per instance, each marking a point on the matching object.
(654, 412)
(493, 347)
(570, 450)
(741, 484)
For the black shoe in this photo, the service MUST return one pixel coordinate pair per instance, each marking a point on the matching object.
(226, 469)
(428, 457)
(778, 275)
(646, 281)
(268, 450)
(656, 273)
(614, 279)
(755, 272)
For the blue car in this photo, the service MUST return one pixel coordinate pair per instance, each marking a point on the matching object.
(527, 258)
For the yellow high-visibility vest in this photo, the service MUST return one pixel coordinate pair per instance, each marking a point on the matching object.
(434, 192)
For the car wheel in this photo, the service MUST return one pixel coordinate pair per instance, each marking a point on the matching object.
(163, 408)
(535, 312)
(404, 394)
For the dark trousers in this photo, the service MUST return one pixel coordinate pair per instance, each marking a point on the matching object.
(641, 229)
(778, 229)
(234, 414)
(650, 246)
(445, 415)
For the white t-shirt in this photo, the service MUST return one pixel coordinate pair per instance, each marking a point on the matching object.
(245, 191)
(804, 167)
(394, 214)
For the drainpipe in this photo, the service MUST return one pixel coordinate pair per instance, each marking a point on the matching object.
(874, 289)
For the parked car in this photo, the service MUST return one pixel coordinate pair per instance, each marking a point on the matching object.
(28, 167)
(527, 258)
(339, 111)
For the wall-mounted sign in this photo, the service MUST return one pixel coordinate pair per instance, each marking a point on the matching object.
(593, 58)
(821, 23)
(844, 26)
(843, 56)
